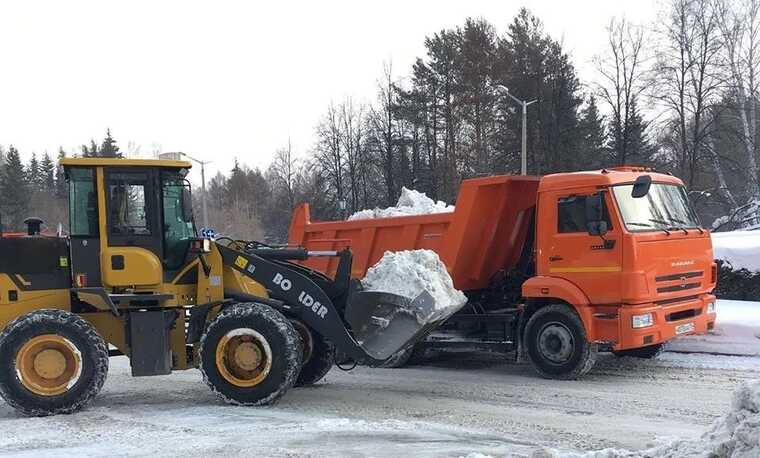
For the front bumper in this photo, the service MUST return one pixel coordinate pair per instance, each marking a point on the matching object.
(668, 319)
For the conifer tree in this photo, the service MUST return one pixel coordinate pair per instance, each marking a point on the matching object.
(14, 194)
(47, 174)
(109, 148)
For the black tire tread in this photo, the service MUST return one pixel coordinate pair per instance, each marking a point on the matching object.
(588, 352)
(240, 313)
(321, 361)
(82, 328)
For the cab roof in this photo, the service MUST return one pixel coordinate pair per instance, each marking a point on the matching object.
(116, 162)
(604, 177)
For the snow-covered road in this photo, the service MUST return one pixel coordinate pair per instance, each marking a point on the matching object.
(453, 405)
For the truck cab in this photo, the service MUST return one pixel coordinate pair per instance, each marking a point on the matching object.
(624, 246)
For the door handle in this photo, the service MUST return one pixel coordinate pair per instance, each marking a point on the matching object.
(555, 258)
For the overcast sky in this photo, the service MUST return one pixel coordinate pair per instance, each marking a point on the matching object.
(224, 79)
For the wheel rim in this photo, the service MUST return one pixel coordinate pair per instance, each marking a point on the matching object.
(243, 357)
(48, 365)
(556, 343)
(306, 338)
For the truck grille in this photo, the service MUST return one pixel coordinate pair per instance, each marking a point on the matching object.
(682, 287)
(679, 276)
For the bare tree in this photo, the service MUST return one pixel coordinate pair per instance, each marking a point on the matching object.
(687, 81)
(622, 82)
(381, 122)
(739, 24)
(282, 174)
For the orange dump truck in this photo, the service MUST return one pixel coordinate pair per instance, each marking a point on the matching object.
(557, 268)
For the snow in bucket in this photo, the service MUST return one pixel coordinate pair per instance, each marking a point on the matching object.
(409, 273)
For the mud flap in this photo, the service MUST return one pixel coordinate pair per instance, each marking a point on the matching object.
(384, 323)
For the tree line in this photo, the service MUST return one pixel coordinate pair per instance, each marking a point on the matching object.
(679, 95)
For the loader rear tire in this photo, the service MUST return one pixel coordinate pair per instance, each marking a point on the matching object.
(250, 355)
(648, 352)
(318, 357)
(51, 362)
(556, 343)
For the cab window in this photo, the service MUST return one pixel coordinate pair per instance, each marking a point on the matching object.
(127, 204)
(178, 223)
(571, 214)
(83, 203)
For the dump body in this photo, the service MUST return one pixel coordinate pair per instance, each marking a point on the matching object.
(484, 235)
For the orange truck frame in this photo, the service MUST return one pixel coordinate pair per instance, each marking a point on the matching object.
(557, 268)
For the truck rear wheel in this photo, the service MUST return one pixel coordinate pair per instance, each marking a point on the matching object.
(250, 355)
(557, 345)
(648, 352)
(318, 355)
(51, 362)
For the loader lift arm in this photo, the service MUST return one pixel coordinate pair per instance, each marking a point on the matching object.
(366, 326)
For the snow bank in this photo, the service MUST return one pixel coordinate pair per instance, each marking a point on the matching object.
(736, 435)
(410, 202)
(408, 273)
(741, 249)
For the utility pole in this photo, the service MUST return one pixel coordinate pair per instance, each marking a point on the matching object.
(203, 186)
(524, 105)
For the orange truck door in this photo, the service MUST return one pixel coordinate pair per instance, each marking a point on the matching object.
(590, 262)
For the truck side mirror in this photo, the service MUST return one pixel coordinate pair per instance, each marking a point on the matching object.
(595, 223)
(641, 186)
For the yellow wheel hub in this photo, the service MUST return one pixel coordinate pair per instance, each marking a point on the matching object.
(243, 357)
(48, 365)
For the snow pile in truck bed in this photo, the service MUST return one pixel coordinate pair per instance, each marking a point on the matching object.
(735, 435)
(739, 248)
(410, 202)
(408, 273)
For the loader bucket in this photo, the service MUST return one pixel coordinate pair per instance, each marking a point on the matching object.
(384, 323)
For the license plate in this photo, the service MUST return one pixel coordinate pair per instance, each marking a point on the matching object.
(685, 328)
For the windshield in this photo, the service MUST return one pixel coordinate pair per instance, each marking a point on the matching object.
(666, 206)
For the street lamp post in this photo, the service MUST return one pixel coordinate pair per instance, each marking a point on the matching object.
(524, 105)
(203, 186)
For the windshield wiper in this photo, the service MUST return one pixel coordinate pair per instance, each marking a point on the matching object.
(679, 228)
(663, 222)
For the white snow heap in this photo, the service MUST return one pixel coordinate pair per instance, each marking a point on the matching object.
(741, 249)
(735, 435)
(410, 202)
(409, 273)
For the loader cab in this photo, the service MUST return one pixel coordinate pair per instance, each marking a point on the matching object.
(130, 221)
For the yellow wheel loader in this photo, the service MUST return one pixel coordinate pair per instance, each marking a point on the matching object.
(133, 278)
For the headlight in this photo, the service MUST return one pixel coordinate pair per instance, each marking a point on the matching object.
(642, 321)
(711, 307)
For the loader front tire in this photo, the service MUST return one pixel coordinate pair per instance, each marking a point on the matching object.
(556, 343)
(250, 355)
(51, 362)
(318, 355)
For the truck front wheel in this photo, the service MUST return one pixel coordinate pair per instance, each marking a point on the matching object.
(556, 343)
(250, 355)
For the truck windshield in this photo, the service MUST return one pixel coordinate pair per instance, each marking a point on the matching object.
(666, 206)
